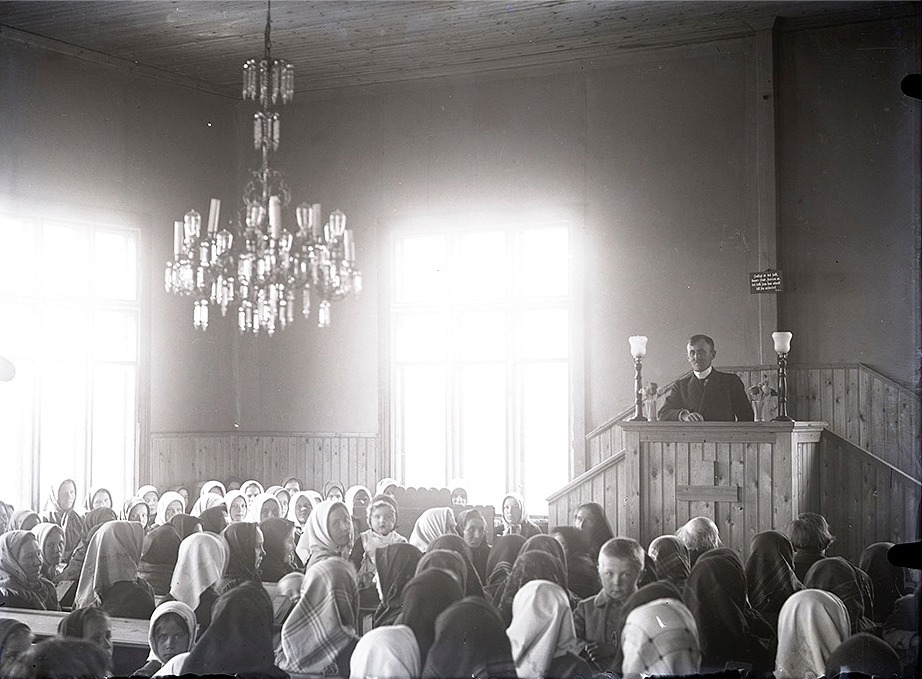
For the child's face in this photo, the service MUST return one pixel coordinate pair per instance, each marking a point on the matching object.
(619, 576)
(382, 520)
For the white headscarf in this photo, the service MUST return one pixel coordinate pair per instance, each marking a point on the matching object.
(317, 532)
(256, 508)
(660, 638)
(388, 652)
(521, 502)
(206, 501)
(811, 624)
(293, 503)
(200, 564)
(431, 524)
(384, 484)
(112, 556)
(542, 627)
(243, 486)
(229, 498)
(164, 502)
(186, 614)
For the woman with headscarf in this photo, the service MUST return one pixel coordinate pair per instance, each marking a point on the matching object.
(582, 572)
(866, 655)
(237, 505)
(542, 636)
(515, 517)
(334, 490)
(135, 509)
(387, 486)
(293, 484)
(424, 599)
(215, 519)
(328, 532)
(648, 593)
(670, 557)
(264, 506)
(251, 489)
(470, 641)
(283, 495)
(811, 537)
(319, 635)
(503, 554)
(852, 586)
(158, 557)
(729, 630)
(811, 624)
(888, 580)
(50, 538)
(279, 544)
(171, 632)
(770, 574)
(389, 652)
(454, 543)
(151, 497)
(74, 567)
(472, 528)
(211, 493)
(528, 566)
(59, 509)
(431, 524)
(90, 624)
(109, 578)
(591, 520)
(15, 638)
(21, 581)
(396, 566)
(60, 658)
(660, 638)
(446, 560)
(98, 497)
(186, 525)
(299, 508)
(199, 566)
(24, 519)
(357, 499)
(168, 505)
(238, 641)
(245, 552)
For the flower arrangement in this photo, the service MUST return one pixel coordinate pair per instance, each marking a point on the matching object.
(651, 395)
(758, 394)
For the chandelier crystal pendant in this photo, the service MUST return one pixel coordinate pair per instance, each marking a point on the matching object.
(262, 267)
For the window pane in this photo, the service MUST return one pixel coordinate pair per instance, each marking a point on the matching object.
(545, 432)
(63, 425)
(65, 260)
(16, 399)
(544, 334)
(115, 336)
(18, 238)
(65, 333)
(543, 267)
(113, 427)
(421, 271)
(17, 330)
(482, 335)
(422, 337)
(421, 408)
(115, 265)
(480, 265)
(483, 432)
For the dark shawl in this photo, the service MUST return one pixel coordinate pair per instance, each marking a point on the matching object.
(91, 523)
(662, 589)
(866, 654)
(71, 625)
(214, 519)
(128, 599)
(600, 532)
(158, 557)
(770, 574)
(396, 566)
(582, 570)
(852, 585)
(889, 581)
(186, 525)
(503, 554)
(533, 565)
(276, 563)
(670, 556)
(241, 561)
(473, 585)
(449, 561)
(424, 599)
(24, 519)
(239, 639)
(470, 641)
(62, 658)
(68, 519)
(479, 555)
(729, 630)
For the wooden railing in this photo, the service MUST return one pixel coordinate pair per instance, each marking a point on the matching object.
(268, 458)
(603, 484)
(859, 404)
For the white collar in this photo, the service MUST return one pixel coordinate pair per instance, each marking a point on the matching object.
(703, 375)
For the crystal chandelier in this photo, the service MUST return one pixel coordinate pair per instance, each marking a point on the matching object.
(262, 267)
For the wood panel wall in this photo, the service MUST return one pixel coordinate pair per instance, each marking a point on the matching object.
(604, 484)
(314, 458)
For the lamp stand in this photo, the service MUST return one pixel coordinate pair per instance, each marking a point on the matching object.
(638, 392)
(782, 390)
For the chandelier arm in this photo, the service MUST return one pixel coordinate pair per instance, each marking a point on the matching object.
(268, 27)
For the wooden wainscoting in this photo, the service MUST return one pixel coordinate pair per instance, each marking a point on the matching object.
(605, 484)
(266, 457)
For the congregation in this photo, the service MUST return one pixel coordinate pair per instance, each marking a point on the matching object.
(458, 597)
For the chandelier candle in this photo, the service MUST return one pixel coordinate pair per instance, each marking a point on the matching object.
(256, 262)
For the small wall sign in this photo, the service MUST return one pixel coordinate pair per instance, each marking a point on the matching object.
(764, 281)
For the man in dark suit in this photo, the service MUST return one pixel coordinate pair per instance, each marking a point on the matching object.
(706, 394)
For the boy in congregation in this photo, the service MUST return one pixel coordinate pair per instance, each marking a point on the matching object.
(596, 619)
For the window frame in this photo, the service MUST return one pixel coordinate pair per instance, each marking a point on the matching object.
(392, 229)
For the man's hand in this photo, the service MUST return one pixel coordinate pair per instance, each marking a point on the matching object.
(691, 416)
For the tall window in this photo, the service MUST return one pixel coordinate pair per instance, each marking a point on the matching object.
(69, 309)
(480, 359)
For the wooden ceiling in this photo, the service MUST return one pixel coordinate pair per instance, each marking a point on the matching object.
(341, 43)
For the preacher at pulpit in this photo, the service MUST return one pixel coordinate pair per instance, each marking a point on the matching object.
(706, 395)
